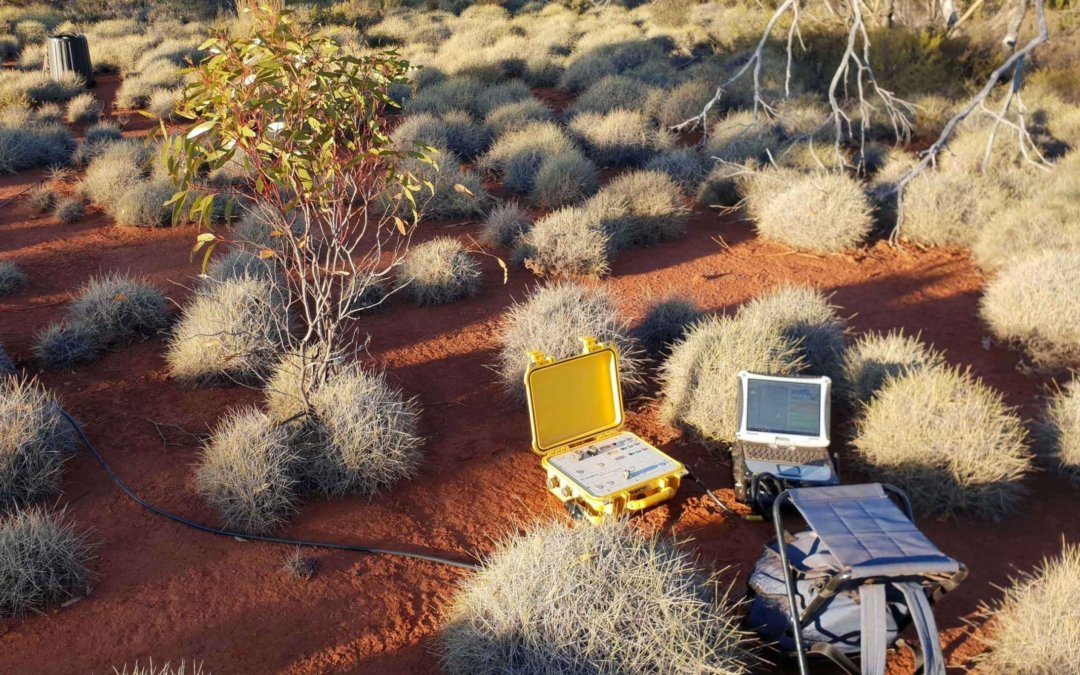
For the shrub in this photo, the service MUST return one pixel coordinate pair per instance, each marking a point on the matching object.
(231, 330)
(35, 441)
(167, 669)
(42, 561)
(686, 100)
(805, 317)
(1033, 304)
(144, 204)
(721, 186)
(619, 138)
(69, 210)
(570, 241)
(246, 473)
(698, 380)
(581, 603)
(965, 454)
(505, 224)
(516, 116)
(739, 136)
(666, 321)
(41, 199)
(614, 92)
(949, 207)
(875, 357)
(566, 178)
(84, 109)
(12, 278)
(641, 208)
(464, 137)
(553, 319)
(519, 154)
(363, 438)
(34, 145)
(120, 307)
(684, 165)
(1059, 431)
(1034, 623)
(824, 212)
(66, 343)
(162, 104)
(114, 172)
(439, 271)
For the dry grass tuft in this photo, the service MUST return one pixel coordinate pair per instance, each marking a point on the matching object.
(666, 321)
(230, 331)
(505, 224)
(875, 357)
(1033, 304)
(143, 204)
(69, 210)
(1035, 629)
(825, 212)
(614, 92)
(573, 599)
(114, 171)
(699, 379)
(120, 307)
(642, 208)
(363, 436)
(167, 669)
(84, 109)
(684, 165)
(570, 241)
(516, 116)
(620, 137)
(42, 561)
(518, 155)
(1058, 433)
(246, 473)
(439, 271)
(567, 178)
(805, 317)
(35, 441)
(739, 137)
(552, 319)
(12, 278)
(946, 439)
(66, 343)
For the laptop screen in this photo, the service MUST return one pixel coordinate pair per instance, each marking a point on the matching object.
(786, 408)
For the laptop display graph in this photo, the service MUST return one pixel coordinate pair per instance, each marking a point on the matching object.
(788, 408)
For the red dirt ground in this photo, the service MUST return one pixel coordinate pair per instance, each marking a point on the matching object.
(168, 592)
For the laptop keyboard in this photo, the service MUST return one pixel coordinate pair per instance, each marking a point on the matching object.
(786, 455)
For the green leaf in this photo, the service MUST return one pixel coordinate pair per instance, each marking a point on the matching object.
(200, 129)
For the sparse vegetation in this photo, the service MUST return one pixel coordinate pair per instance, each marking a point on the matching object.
(439, 271)
(35, 441)
(578, 607)
(505, 224)
(875, 357)
(965, 454)
(553, 319)
(823, 212)
(246, 473)
(1058, 433)
(1033, 627)
(42, 561)
(12, 278)
(231, 330)
(1033, 304)
(167, 669)
(666, 321)
(28, 141)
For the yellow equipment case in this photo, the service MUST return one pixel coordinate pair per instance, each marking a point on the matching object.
(576, 413)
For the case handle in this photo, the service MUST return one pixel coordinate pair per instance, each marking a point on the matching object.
(661, 495)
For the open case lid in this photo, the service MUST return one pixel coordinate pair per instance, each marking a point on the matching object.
(574, 398)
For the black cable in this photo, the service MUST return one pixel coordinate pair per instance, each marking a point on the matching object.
(254, 537)
(723, 507)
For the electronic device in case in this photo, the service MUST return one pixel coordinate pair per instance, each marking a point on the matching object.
(593, 465)
(783, 435)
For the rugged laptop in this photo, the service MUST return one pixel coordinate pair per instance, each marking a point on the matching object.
(783, 435)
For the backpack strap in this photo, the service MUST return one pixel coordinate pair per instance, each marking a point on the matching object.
(922, 615)
(874, 629)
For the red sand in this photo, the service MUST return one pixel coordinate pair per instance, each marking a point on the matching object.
(168, 592)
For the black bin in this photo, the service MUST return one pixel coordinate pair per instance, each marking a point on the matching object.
(70, 53)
